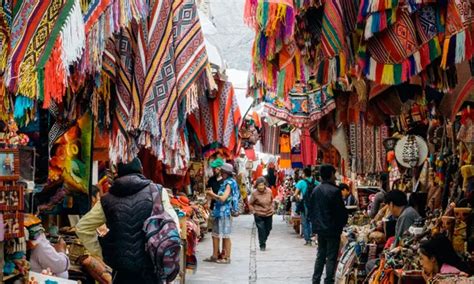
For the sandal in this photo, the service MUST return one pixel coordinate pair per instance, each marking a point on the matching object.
(223, 261)
(211, 259)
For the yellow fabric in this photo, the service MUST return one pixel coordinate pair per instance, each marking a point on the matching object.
(31, 220)
(86, 229)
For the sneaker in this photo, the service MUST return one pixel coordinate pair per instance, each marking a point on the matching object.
(308, 243)
(263, 248)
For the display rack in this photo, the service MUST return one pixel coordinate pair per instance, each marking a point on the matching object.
(11, 203)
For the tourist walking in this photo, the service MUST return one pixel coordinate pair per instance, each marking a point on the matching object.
(261, 205)
(226, 201)
(328, 216)
(302, 195)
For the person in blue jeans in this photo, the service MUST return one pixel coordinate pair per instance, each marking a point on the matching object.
(303, 189)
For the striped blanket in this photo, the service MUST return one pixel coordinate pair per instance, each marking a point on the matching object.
(216, 122)
(155, 64)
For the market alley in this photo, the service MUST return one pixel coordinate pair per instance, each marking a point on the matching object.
(286, 259)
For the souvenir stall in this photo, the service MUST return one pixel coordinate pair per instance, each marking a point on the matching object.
(382, 88)
(71, 93)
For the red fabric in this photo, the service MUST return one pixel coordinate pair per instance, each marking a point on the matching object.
(152, 167)
(258, 172)
(309, 149)
(274, 191)
(250, 153)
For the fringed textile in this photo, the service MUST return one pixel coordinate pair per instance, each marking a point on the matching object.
(103, 18)
(273, 22)
(174, 61)
(305, 105)
(216, 122)
(159, 61)
(394, 56)
(458, 43)
(36, 27)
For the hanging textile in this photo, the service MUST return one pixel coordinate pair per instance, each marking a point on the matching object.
(296, 157)
(103, 18)
(156, 71)
(71, 157)
(305, 105)
(368, 155)
(309, 149)
(216, 121)
(285, 151)
(270, 136)
(295, 136)
(458, 43)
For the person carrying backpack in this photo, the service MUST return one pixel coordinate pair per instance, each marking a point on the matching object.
(226, 206)
(304, 188)
(130, 202)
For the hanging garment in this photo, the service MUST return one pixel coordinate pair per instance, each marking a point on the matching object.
(295, 137)
(296, 157)
(285, 151)
(216, 122)
(309, 149)
(271, 136)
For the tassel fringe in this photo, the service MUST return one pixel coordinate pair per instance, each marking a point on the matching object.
(456, 48)
(394, 74)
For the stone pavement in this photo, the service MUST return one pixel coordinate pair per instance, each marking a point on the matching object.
(286, 259)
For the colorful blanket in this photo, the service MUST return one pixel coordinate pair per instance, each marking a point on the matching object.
(217, 121)
(36, 28)
(156, 64)
(103, 18)
(305, 105)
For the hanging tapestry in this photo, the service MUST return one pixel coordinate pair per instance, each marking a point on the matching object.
(103, 18)
(216, 121)
(270, 137)
(47, 36)
(305, 105)
(368, 155)
(285, 151)
(71, 157)
(158, 64)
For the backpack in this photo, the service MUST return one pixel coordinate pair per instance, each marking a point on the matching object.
(305, 200)
(235, 195)
(162, 241)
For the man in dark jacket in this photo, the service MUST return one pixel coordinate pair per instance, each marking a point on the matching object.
(328, 216)
(124, 210)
